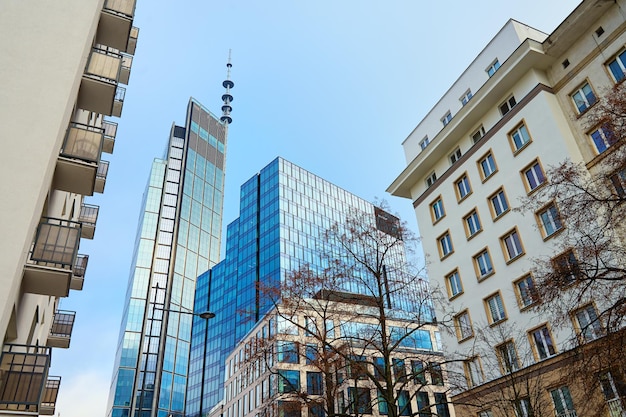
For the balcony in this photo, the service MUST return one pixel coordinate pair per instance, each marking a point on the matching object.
(50, 394)
(23, 377)
(116, 19)
(98, 84)
(48, 270)
(77, 164)
(127, 63)
(61, 329)
(616, 409)
(78, 272)
(132, 40)
(110, 131)
(88, 217)
(101, 176)
(118, 102)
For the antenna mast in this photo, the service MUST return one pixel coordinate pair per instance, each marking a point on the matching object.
(226, 97)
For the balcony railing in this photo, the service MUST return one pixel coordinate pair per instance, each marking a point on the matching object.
(127, 63)
(50, 394)
(88, 218)
(123, 7)
(616, 408)
(132, 40)
(83, 142)
(23, 374)
(567, 413)
(104, 64)
(78, 273)
(101, 176)
(61, 329)
(110, 131)
(118, 101)
(52, 258)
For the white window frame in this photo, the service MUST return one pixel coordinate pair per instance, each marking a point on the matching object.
(499, 203)
(474, 370)
(583, 99)
(520, 137)
(507, 354)
(588, 323)
(534, 176)
(482, 261)
(560, 398)
(495, 308)
(446, 118)
(507, 105)
(620, 60)
(487, 166)
(445, 244)
(455, 156)
(601, 139)
(437, 209)
(466, 97)
(526, 292)
(512, 244)
(478, 134)
(463, 187)
(464, 323)
(550, 220)
(472, 224)
(431, 179)
(540, 337)
(491, 69)
(455, 285)
(424, 142)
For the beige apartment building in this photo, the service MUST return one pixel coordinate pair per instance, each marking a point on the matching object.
(484, 147)
(64, 64)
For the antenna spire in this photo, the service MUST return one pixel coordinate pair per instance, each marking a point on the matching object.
(226, 97)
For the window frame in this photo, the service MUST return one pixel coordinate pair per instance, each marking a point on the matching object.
(594, 325)
(433, 212)
(450, 287)
(586, 102)
(446, 119)
(502, 313)
(494, 214)
(508, 359)
(520, 251)
(459, 326)
(440, 246)
(466, 97)
(605, 134)
(483, 175)
(475, 217)
(509, 103)
(480, 132)
(620, 59)
(480, 277)
(492, 68)
(566, 411)
(618, 181)
(557, 223)
(533, 342)
(569, 267)
(539, 180)
(430, 179)
(519, 128)
(532, 297)
(424, 142)
(473, 363)
(463, 179)
(455, 156)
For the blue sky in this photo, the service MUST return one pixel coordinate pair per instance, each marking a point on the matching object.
(333, 86)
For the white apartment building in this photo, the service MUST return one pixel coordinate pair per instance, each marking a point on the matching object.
(63, 66)
(279, 368)
(485, 146)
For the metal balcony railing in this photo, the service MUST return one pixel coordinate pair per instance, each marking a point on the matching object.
(567, 413)
(56, 243)
(104, 64)
(123, 7)
(50, 394)
(118, 101)
(83, 142)
(80, 266)
(23, 373)
(110, 129)
(103, 170)
(616, 408)
(88, 214)
(127, 62)
(132, 40)
(62, 324)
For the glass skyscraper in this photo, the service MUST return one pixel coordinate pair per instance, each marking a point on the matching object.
(177, 239)
(284, 214)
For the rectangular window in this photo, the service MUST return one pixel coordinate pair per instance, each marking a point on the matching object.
(583, 97)
(311, 353)
(491, 69)
(478, 134)
(288, 381)
(466, 97)
(437, 209)
(613, 389)
(519, 137)
(499, 204)
(473, 372)
(618, 180)
(549, 220)
(512, 245)
(482, 264)
(487, 166)
(542, 342)
(453, 282)
(455, 156)
(508, 104)
(314, 383)
(533, 176)
(441, 405)
(287, 352)
(563, 404)
(379, 368)
(463, 188)
(423, 404)
(285, 409)
(357, 367)
(399, 370)
(463, 325)
(617, 67)
(495, 308)
(404, 403)
(507, 355)
(424, 142)
(526, 291)
(485, 413)
(602, 138)
(360, 400)
(445, 245)
(588, 323)
(472, 223)
(566, 268)
(383, 406)
(419, 375)
(436, 375)
(446, 118)
(430, 180)
(523, 408)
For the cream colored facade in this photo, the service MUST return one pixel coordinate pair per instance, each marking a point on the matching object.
(489, 154)
(63, 66)
(255, 385)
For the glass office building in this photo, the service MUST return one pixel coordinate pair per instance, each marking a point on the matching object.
(178, 238)
(284, 214)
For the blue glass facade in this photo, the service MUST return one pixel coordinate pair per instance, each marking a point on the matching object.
(178, 238)
(285, 212)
